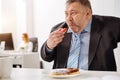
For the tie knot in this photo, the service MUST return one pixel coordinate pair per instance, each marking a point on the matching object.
(76, 37)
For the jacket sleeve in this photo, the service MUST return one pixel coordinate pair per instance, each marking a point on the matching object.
(47, 55)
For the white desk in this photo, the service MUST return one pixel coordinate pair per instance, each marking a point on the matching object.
(10, 53)
(26, 59)
(42, 74)
(15, 53)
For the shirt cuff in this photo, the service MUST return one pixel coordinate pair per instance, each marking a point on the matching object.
(48, 50)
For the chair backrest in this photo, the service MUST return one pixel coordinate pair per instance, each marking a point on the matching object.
(34, 40)
(7, 37)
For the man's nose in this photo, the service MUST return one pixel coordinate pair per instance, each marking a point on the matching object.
(69, 18)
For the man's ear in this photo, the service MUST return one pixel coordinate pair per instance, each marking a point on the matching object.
(88, 11)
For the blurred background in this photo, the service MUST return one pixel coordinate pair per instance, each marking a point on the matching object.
(36, 17)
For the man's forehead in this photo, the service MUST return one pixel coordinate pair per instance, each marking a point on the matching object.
(73, 6)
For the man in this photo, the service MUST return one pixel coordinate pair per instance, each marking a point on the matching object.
(95, 36)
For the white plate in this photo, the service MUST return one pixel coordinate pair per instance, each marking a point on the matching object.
(63, 76)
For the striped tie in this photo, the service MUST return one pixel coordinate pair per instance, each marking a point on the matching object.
(74, 52)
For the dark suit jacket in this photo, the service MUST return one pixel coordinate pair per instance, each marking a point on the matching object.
(104, 36)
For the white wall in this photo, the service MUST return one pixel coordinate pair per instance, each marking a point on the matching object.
(8, 13)
(0, 15)
(117, 8)
(103, 7)
(29, 17)
(46, 15)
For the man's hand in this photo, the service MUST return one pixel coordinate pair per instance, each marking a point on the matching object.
(56, 37)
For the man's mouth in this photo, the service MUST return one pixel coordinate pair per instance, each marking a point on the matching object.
(70, 23)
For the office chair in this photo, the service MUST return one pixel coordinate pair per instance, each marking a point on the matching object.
(34, 40)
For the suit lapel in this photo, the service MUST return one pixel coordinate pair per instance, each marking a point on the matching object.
(95, 36)
(94, 41)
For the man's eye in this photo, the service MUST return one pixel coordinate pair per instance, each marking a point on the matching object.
(66, 14)
(73, 13)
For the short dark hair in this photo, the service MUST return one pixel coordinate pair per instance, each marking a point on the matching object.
(83, 2)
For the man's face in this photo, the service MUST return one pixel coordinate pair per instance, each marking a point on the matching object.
(76, 16)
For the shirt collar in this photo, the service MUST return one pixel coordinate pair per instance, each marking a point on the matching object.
(88, 27)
